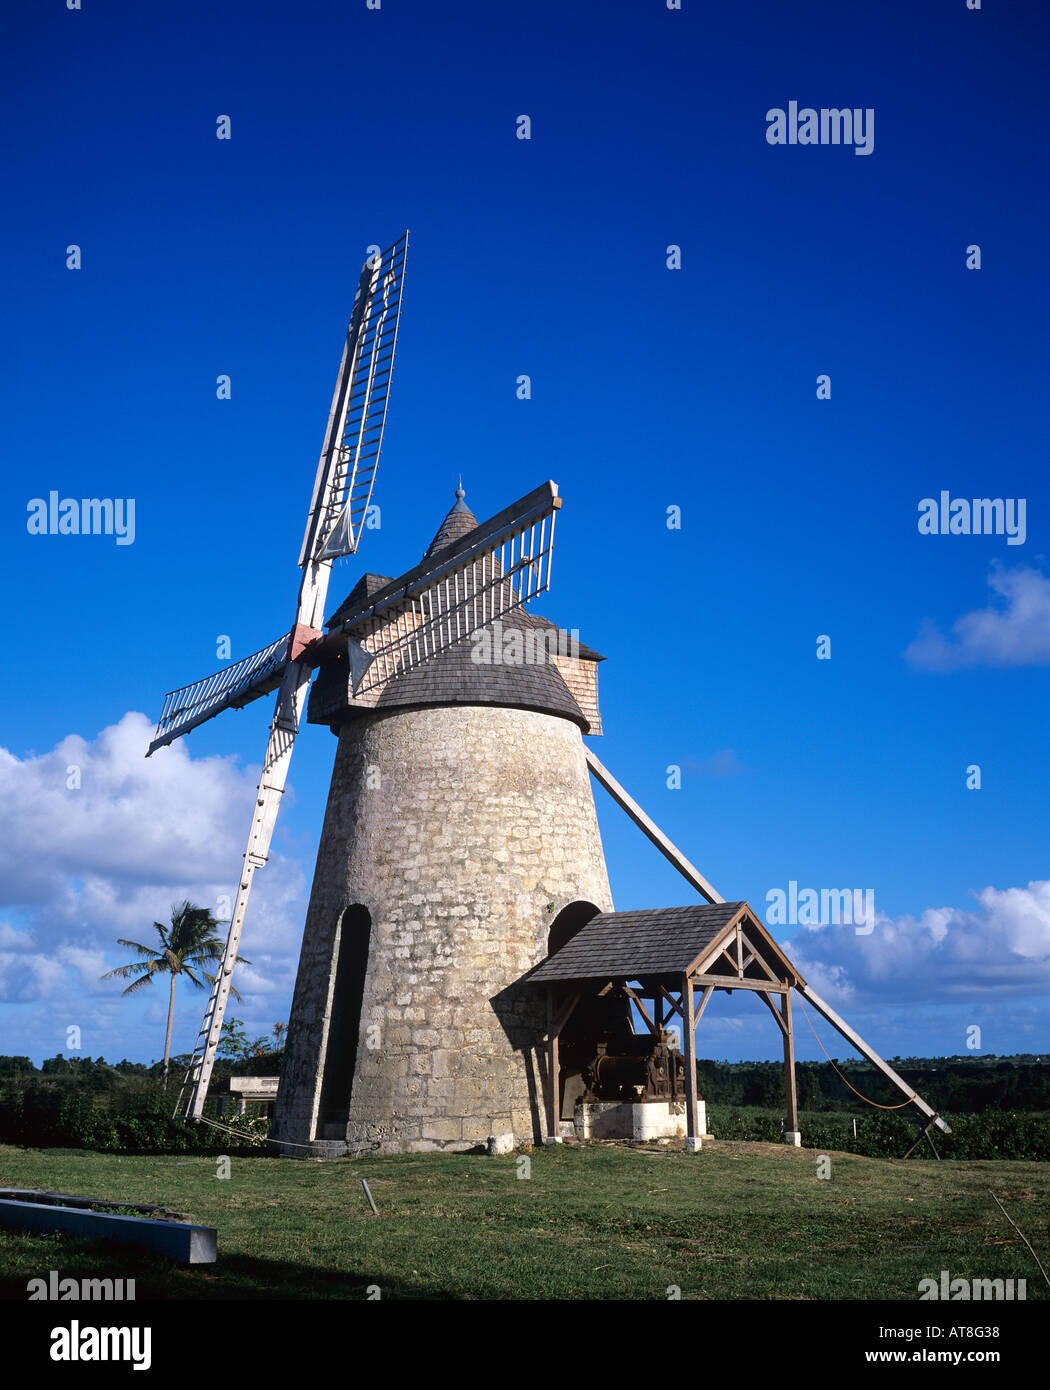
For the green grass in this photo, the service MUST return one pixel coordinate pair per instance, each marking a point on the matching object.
(737, 1221)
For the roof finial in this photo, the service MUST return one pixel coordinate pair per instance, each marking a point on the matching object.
(460, 494)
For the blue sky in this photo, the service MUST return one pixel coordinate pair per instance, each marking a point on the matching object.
(651, 388)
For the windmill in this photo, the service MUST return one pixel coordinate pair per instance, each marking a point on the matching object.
(460, 864)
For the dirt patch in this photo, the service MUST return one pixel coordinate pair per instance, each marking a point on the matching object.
(731, 1148)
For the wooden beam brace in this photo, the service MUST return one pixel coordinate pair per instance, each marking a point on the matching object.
(640, 1007)
(756, 955)
(699, 1013)
(732, 982)
(774, 1011)
(563, 1015)
(673, 1003)
(652, 831)
(727, 954)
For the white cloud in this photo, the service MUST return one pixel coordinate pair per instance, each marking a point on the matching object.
(83, 865)
(999, 950)
(1015, 632)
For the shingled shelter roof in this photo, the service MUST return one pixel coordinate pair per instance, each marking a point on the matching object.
(652, 941)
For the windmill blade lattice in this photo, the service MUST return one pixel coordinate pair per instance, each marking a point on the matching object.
(347, 467)
(341, 497)
(232, 687)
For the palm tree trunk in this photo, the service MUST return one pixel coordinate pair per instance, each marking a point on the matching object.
(167, 1035)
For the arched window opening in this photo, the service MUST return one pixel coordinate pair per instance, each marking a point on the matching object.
(568, 922)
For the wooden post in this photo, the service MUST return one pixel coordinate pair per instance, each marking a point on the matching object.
(791, 1130)
(692, 1128)
(554, 1089)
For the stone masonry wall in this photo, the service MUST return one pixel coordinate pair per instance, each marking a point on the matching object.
(463, 830)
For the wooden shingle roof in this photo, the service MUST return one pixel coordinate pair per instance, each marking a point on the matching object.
(581, 649)
(366, 587)
(652, 941)
(453, 677)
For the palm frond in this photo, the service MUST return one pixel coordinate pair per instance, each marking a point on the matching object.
(123, 971)
(137, 946)
(146, 980)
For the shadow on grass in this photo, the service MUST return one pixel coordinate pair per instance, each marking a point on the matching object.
(231, 1278)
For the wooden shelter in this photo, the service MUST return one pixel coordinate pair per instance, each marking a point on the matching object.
(661, 960)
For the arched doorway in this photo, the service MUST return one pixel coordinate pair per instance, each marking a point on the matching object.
(344, 1025)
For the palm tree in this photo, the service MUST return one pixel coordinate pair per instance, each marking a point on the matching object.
(188, 943)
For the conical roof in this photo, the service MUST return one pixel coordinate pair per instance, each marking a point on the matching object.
(456, 524)
(456, 677)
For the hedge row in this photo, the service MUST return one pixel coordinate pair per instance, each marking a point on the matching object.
(990, 1135)
(55, 1118)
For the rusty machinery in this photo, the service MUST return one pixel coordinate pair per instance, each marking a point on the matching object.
(637, 1068)
(616, 1064)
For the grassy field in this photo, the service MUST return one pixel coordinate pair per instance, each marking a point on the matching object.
(737, 1221)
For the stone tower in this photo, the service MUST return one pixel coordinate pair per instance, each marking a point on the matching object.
(460, 824)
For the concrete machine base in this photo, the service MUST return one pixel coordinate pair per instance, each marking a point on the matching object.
(640, 1121)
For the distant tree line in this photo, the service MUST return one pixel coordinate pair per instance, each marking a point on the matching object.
(962, 1084)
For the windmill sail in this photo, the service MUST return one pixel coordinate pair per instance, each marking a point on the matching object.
(232, 687)
(500, 565)
(347, 466)
(338, 508)
(341, 496)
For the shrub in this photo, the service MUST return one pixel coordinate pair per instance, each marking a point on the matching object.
(887, 1134)
(44, 1115)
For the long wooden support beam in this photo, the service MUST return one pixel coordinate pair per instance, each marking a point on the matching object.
(651, 830)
